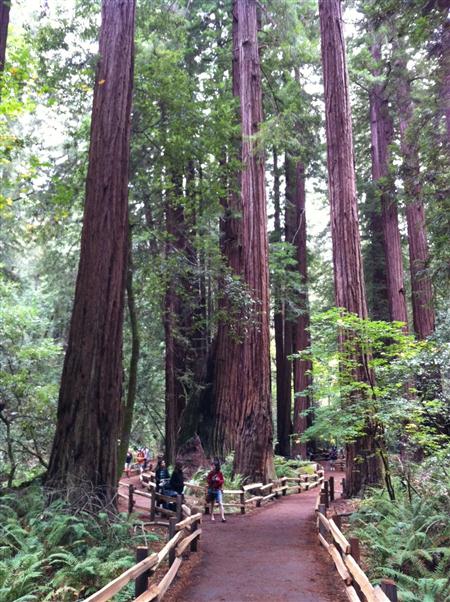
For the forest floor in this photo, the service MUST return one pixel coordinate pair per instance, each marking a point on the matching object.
(271, 554)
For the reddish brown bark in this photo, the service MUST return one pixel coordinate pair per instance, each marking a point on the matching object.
(4, 22)
(301, 337)
(421, 287)
(363, 463)
(241, 388)
(283, 339)
(84, 455)
(382, 135)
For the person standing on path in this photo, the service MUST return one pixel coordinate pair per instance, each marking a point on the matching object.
(215, 485)
(128, 461)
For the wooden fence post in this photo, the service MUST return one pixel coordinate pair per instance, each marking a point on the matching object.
(283, 484)
(343, 488)
(390, 589)
(141, 582)
(354, 548)
(326, 487)
(331, 482)
(258, 502)
(153, 506)
(195, 540)
(130, 498)
(324, 498)
(172, 530)
(179, 508)
(322, 529)
(242, 501)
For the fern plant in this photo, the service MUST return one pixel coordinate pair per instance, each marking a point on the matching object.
(409, 541)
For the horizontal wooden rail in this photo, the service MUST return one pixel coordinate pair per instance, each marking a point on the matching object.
(356, 581)
(107, 592)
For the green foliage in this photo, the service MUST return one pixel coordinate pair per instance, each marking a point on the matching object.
(393, 397)
(49, 554)
(291, 468)
(409, 540)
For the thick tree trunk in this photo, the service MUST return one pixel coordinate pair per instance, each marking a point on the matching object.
(363, 465)
(83, 462)
(283, 339)
(301, 337)
(421, 287)
(127, 412)
(445, 78)
(382, 135)
(4, 22)
(241, 388)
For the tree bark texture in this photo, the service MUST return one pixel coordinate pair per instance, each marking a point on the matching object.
(421, 287)
(4, 22)
(381, 135)
(241, 388)
(84, 456)
(283, 339)
(301, 340)
(445, 78)
(127, 413)
(176, 319)
(363, 464)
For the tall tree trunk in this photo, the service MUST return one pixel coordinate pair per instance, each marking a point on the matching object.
(445, 77)
(301, 337)
(4, 22)
(363, 462)
(241, 388)
(382, 135)
(175, 318)
(83, 460)
(421, 287)
(283, 342)
(127, 412)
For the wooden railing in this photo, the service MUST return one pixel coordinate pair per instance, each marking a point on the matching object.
(184, 526)
(346, 556)
(183, 534)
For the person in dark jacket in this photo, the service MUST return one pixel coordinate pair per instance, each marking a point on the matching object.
(176, 482)
(161, 474)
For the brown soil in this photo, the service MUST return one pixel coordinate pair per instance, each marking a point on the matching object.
(269, 555)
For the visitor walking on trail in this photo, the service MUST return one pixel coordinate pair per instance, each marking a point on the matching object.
(215, 485)
(128, 460)
(140, 459)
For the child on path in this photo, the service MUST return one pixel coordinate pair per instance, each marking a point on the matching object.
(215, 485)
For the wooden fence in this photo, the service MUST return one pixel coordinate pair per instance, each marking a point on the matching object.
(346, 556)
(184, 523)
(183, 534)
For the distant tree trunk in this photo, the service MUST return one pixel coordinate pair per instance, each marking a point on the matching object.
(176, 309)
(382, 135)
(301, 337)
(83, 462)
(241, 388)
(445, 77)
(421, 287)
(283, 339)
(363, 461)
(127, 413)
(4, 22)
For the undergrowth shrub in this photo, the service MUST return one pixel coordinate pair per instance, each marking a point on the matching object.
(408, 540)
(48, 554)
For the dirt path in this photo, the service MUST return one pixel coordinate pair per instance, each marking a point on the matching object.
(270, 555)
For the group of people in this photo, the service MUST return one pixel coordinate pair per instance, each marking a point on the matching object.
(143, 458)
(172, 485)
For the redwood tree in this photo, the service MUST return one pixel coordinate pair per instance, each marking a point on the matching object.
(241, 386)
(83, 461)
(382, 135)
(363, 461)
(4, 22)
(301, 337)
(421, 287)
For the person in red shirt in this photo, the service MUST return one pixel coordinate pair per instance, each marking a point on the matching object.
(215, 485)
